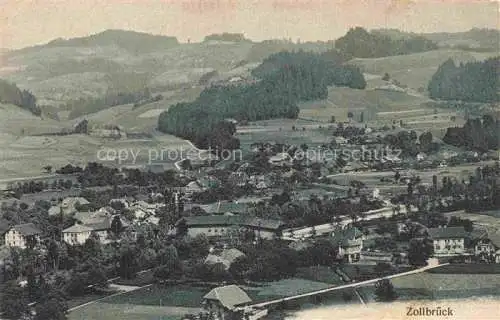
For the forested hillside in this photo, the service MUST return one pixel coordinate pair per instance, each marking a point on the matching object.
(284, 79)
(10, 93)
(472, 82)
(360, 43)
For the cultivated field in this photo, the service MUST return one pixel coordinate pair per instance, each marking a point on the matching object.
(281, 131)
(415, 70)
(381, 107)
(443, 286)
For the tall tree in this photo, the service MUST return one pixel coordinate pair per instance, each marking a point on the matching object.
(384, 291)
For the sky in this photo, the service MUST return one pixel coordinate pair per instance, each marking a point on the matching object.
(29, 22)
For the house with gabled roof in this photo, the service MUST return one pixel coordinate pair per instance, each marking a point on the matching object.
(349, 241)
(225, 257)
(281, 159)
(448, 241)
(223, 225)
(99, 223)
(221, 302)
(77, 234)
(68, 206)
(487, 248)
(21, 235)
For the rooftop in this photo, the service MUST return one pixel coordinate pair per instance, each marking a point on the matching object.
(229, 296)
(74, 200)
(344, 236)
(447, 233)
(226, 257)
(77, 228)
(227, 220)
(27, 229)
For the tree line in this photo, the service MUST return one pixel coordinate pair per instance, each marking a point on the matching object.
(10, 93)
(284, 79)
(471, 82)
(360, 43)
(232, 37)
(82, 106)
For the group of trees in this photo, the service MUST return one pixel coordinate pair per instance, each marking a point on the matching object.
(285, 79)
(471, 82)
(310, 73)
(231, 37)
(10, 93)
(83, 106)
(38, 186)
(476, 134)
(410, 144)
(96, 174)
(313, 212)
(359, 43)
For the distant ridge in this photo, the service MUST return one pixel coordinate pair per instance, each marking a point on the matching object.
(135, 42)
(474, 38)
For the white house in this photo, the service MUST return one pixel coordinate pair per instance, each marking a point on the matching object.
(193, 187)
(340, 140)
(448, 241)
(280, 159)
(19, 235)
(421, 156)
(76, 234)
(349, 241)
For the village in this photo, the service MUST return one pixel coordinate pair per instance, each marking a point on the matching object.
(279, 211)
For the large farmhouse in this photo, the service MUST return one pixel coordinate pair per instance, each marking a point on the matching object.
(224, 225)
(22, 235)
(448, 241)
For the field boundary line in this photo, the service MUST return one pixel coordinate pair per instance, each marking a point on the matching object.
(112, 295)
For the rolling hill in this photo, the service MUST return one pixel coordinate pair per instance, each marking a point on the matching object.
(482, 39)
(416, 70)
(114, 60)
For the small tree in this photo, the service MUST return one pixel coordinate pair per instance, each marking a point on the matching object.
(350, 115)
(386, 77)
(384, 291)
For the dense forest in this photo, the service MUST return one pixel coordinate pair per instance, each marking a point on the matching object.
(284, 79)
(472, 82)
(10, 93)
(476, 134)
(264, 49)
(360, 43)
(82, 107)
